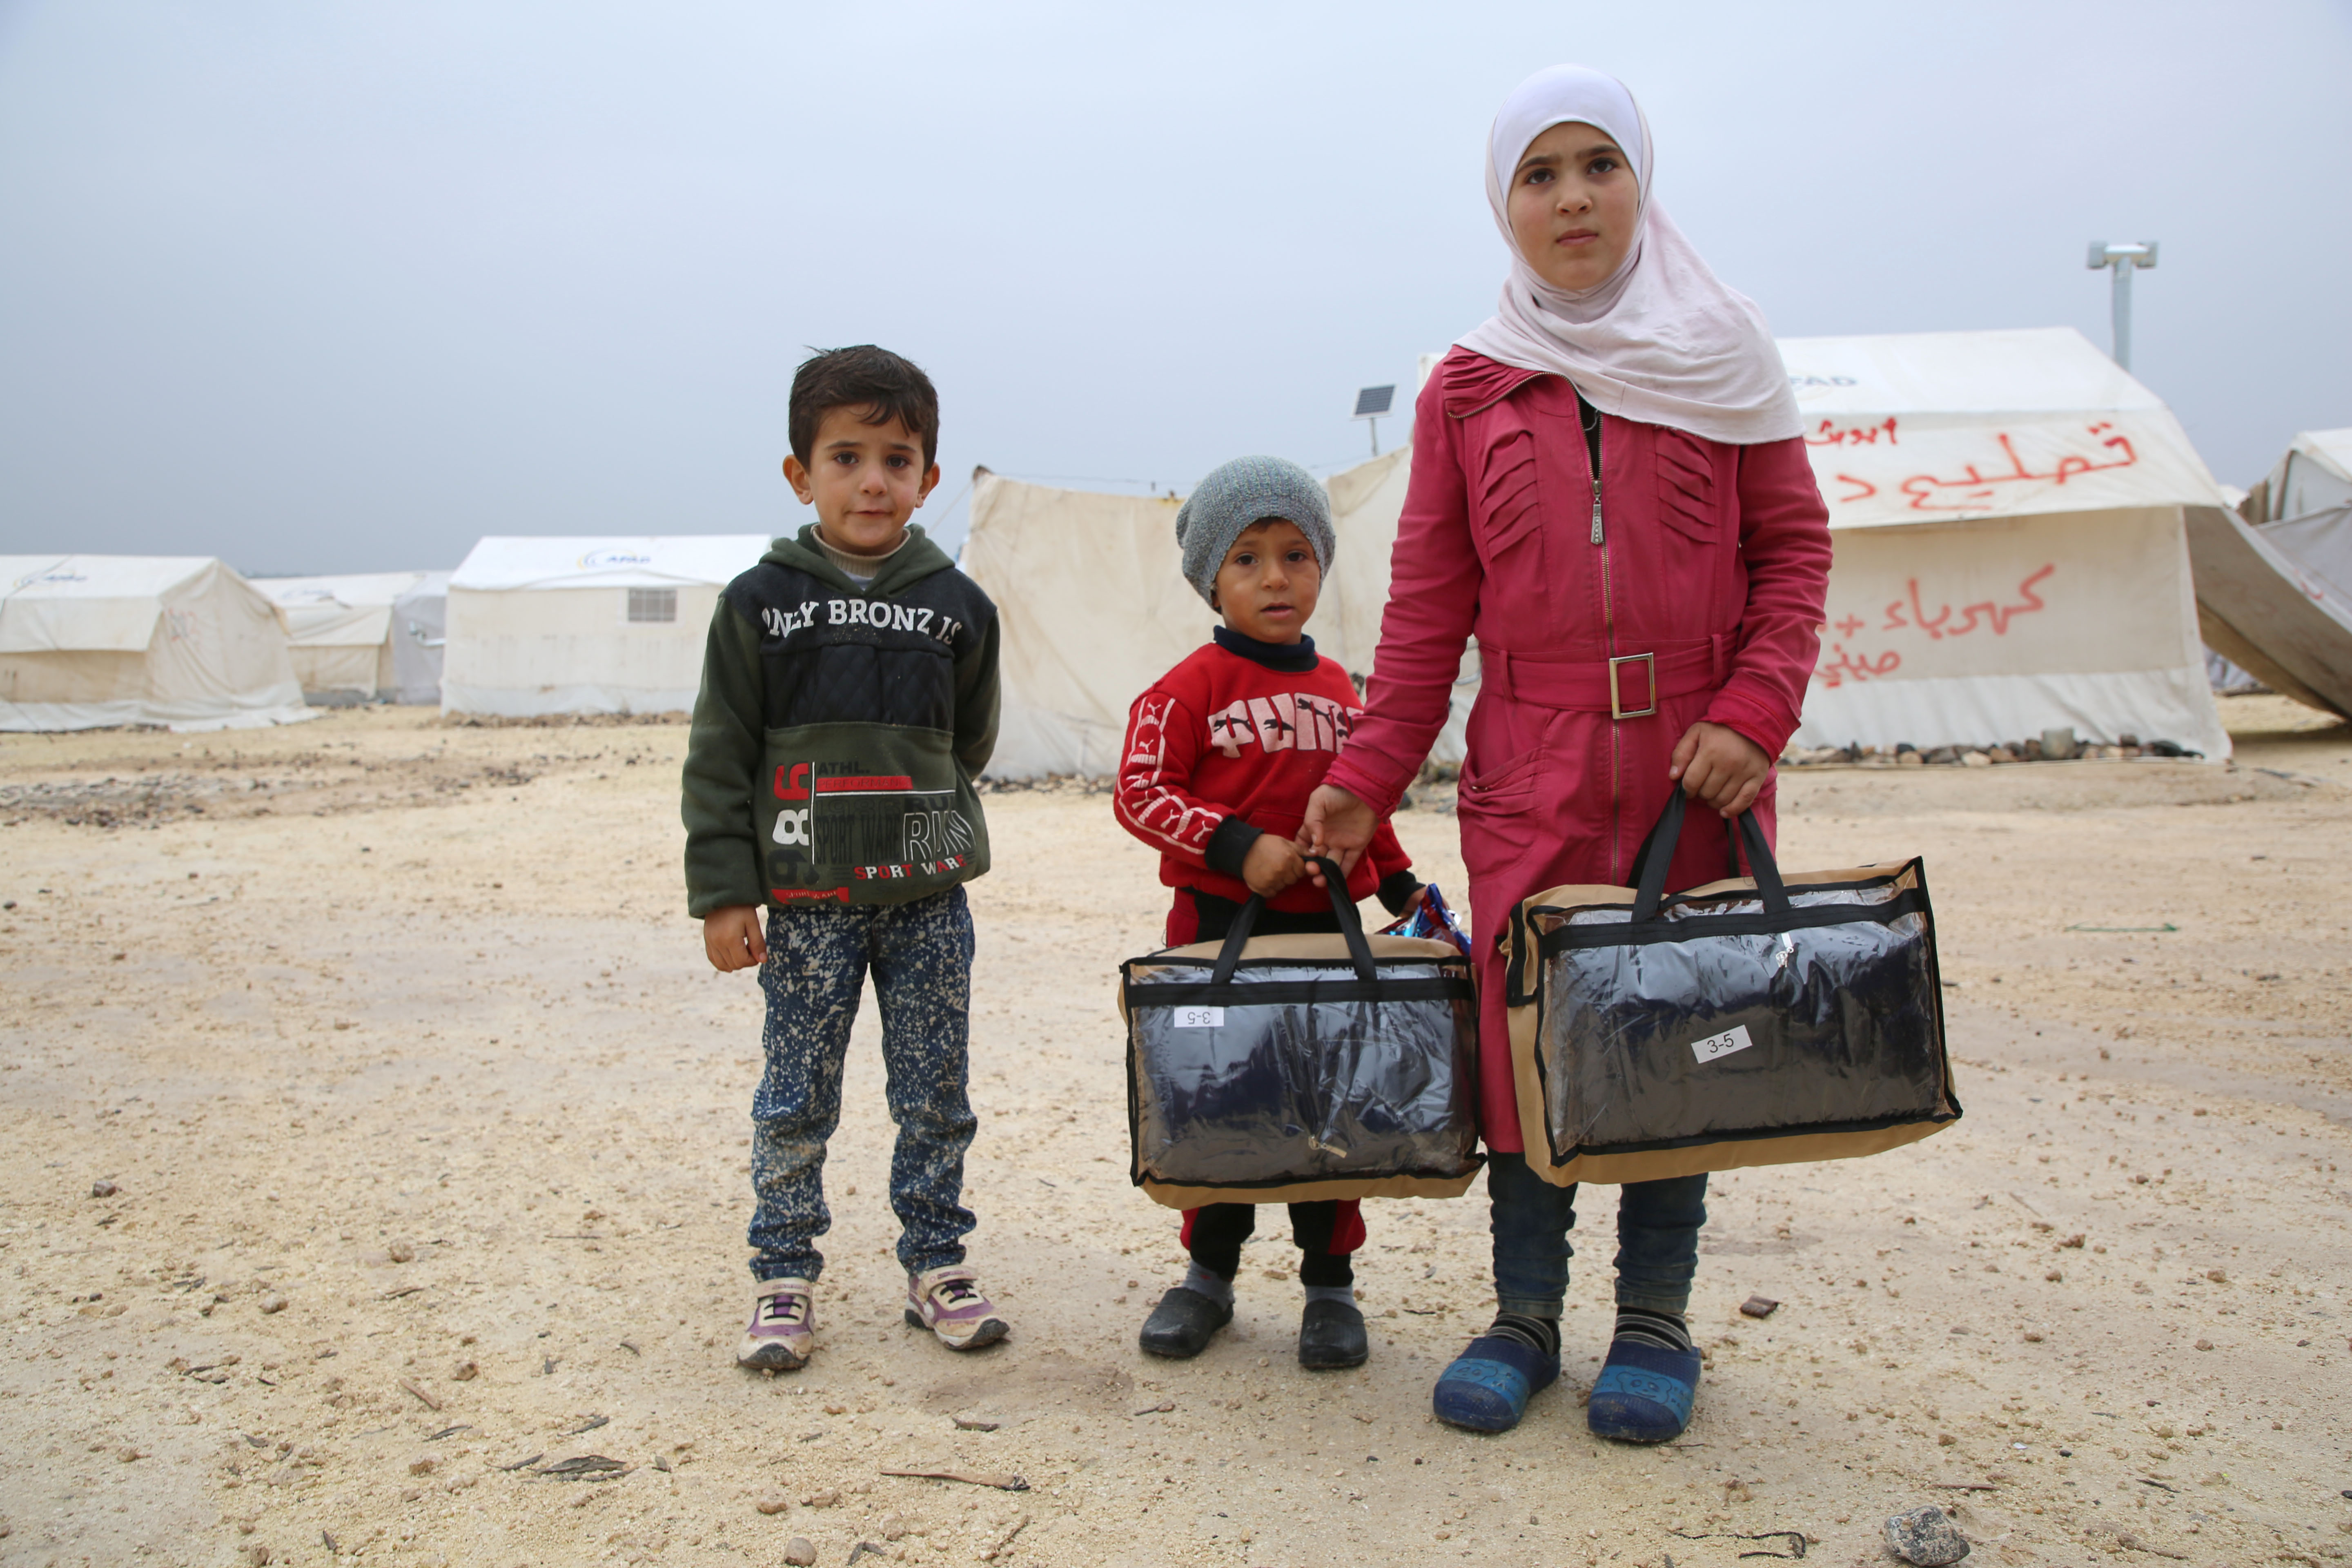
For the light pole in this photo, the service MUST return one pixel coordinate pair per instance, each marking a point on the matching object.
(2125, 258)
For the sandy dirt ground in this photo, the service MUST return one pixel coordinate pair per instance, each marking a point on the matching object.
(373, 1141)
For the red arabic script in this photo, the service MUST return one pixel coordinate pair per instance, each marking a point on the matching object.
(1973, 490)
(1938, 625)
(1835, 672)
(1830, 433)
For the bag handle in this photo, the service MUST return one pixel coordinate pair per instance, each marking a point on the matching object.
(1665, 835)
(1351, 929)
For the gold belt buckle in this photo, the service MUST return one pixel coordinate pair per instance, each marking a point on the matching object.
(1617, 708)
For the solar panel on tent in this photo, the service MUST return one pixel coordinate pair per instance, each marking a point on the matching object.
(1374, 401)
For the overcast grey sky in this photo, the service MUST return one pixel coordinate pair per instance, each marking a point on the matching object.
(342, 286)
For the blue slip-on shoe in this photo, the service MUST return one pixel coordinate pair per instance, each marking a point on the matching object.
(1488, 1387)
(1644, 1393)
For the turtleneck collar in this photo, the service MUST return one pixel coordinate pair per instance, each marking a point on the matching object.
(1290, 657)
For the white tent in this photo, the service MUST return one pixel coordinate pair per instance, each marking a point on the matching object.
(1095, 607)
(585, 625)
(2011, 513)
(2315, 475)
(2274, 584)
(420, 619)
(345, 637)
(89, 641)
(1091, 608)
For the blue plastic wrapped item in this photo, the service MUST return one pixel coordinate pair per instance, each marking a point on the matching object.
(1433, 918)
(1760, 1020)
(1295, 1068)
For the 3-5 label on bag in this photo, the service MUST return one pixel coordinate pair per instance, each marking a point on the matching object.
(1199, 1017)
(1714, 1046)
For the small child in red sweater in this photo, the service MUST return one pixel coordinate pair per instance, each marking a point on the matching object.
(1221, 755)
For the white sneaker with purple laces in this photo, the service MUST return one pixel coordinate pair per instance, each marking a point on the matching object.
(949, 1303)
(782, 1332)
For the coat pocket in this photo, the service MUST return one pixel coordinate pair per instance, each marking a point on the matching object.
(1687, 493)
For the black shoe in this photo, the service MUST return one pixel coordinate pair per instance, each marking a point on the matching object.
(1181, 1326)
(1331, 1337)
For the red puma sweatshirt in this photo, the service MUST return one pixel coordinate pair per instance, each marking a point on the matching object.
(1228, 745)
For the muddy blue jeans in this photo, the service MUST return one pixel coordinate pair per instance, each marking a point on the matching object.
(818, 957)
(1657, 1239)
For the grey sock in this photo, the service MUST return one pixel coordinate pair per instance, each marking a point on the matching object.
(1332, 1293)
(1209, 1283)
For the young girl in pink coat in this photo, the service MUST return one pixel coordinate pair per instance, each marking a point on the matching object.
(1609, 492)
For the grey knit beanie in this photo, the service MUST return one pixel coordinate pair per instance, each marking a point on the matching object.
(1241, 492)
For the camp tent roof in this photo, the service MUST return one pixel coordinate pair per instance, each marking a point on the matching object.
(1941, 426)
(501, 562)
(348, 611)
(87, 604)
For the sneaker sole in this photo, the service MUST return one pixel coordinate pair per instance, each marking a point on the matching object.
(772, 1358)
(990, 1330)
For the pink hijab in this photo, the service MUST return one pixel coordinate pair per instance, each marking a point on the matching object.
(1662, 341)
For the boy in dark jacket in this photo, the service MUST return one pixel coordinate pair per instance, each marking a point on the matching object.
(1220, 757)
(849, 698)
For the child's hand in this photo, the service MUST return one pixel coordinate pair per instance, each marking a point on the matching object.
(1271, 865)
(731, 937)
(1337, 827)
(1719, 767)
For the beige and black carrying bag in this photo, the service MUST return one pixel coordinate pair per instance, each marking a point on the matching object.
(1761, 1020)
(1291, 1068)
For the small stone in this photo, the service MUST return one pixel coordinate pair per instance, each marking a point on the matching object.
(275, 1301)
(893, 1527)
(421, 1466)
(465, 1372)
(2217, 1275)
(400, 1250)
(800, 1553)
(773, 1503)
(1925, 1538)
(1910, 760)
(2204, 1344)
(2034, 1336)
(824, 1498)
(1759, 1307)
(103, 1189)
(130, 1456)
(1975, 759)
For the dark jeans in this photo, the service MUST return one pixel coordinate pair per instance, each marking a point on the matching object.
(1657, 1239)
(920, 954)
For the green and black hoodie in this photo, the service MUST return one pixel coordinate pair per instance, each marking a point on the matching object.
(839, 730)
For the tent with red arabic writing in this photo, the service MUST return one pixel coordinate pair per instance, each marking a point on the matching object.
(2011, 513)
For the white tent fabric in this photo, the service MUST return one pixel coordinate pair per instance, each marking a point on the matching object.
(89, 641)
(2263, 608)
(540, 624)
(420, 618)
(1095, 609)
(2012, 552)
(1092, 609)
(341, 631)
(2315, 475)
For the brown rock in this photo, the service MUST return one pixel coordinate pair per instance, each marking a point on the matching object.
(400, 1250)
(773, 1503)
(465, 1372)
(103, 1189)
(800, 1553)
(274, 1301)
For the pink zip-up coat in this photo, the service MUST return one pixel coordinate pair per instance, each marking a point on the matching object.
(1690, 589)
